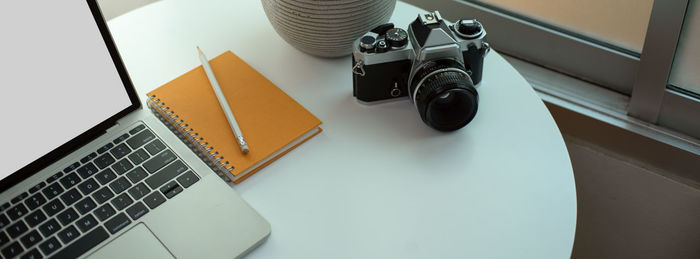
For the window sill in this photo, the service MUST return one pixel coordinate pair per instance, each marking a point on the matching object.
(597, 115)
(598, 103)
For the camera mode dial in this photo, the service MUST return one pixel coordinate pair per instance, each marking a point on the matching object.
(397, 37)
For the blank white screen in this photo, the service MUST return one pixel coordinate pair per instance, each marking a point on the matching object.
(57, 78)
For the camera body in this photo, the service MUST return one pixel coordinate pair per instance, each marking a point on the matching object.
(433, 56)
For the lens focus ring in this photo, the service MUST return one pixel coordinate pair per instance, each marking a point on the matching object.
(445, 96)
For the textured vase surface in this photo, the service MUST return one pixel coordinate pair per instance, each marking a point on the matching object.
(326, 28)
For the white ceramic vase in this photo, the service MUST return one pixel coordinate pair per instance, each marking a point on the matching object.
(326, 28)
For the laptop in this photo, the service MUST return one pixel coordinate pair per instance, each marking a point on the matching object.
(86, 171)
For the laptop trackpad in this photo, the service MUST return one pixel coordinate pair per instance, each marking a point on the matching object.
(138, 242)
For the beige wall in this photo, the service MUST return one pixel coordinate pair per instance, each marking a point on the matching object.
(622, 22)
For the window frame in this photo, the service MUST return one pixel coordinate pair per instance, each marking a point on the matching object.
(643, 76)
(548, 46)
(653, 99)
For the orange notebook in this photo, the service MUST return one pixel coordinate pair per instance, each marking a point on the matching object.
(271, 121)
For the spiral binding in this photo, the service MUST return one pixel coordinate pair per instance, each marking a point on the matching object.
(191, 139)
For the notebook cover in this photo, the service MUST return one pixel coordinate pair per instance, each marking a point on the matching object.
(268, 118)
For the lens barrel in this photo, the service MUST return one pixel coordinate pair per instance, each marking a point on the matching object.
(444, 94)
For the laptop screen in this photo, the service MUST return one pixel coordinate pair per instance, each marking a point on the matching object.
(57, 79)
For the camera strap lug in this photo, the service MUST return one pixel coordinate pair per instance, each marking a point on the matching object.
(359, 68)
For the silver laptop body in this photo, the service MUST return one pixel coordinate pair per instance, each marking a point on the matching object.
(86, 170)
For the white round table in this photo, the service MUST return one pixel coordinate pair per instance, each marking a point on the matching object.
(377, 182)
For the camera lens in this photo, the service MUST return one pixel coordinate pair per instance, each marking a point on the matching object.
(444, 94)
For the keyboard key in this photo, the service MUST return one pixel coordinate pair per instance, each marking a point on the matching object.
(168, 173)
(71, 197)
(4, 239)
(120, 138)
(140, 139)
(19, 197)
(139, 191)
(85, 243)
(52, 191)
(102, 195)
(70, 180)
(138, 156)
(68, 234)
(136, 211)
(104, 161)
(12, 250)
(122, 166)
(168, 186)
(122, 201)
(105, 148)
(4, 221)
(105, 176)
(154, 147)
(37, 187)
(159, 161)
(154, 200)
(85, 205)
(137, 129)
(86, 223)
(120, 151)
(35, 201)
(137, 175)
(104, 212)
(35, 218)
(17, 212)
(71, 167)
(17, 229)
(88, 186)
(49, 227)
(50, 246)
(120, 185)
(53, 207)
(172, 192)
(54, 177)
(31, 238)
(5, 206)
(88, 157)
(187, 179)
(67, 216)
(87, 170)
(32, 254)
(119, 222)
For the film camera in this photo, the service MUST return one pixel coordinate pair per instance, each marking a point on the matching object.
(435, 64)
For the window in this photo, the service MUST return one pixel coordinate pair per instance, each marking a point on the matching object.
(663, 90)
(685, 72)
(621, 22)
(633, 47)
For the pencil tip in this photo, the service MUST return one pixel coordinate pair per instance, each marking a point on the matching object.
(199, 50)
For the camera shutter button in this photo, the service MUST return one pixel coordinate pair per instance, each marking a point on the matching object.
(382, 46)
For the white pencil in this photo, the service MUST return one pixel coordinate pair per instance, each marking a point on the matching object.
(224, 104)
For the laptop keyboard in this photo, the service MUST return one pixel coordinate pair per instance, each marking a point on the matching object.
(104, 192)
